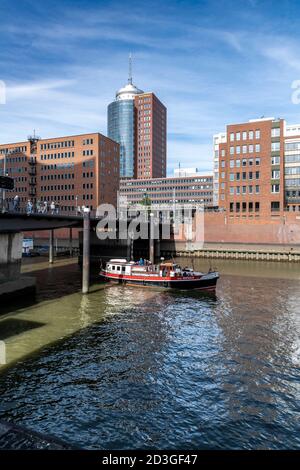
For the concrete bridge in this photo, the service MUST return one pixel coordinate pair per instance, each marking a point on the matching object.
(12, 226)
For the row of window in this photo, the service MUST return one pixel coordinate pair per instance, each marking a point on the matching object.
(244, 162)
(51, 156)
(294, 170)
(292, 193)
(58, 166)
(243, 149)
(58, 176)
(13, 150)
(14, 159)
(237, 190)
(237, 176)
(58, 187)
(244, 207)
(88, 141)
(245, 135)
(57, 145)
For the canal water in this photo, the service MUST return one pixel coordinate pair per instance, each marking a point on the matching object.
(128, 368)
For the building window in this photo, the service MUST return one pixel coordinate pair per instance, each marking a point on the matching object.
(275, 174)
(250, 189)
(250, 206)
(251, 148)
(244, 148)
(275, 188)
(244, 189)
(275, 132)
(257, 134)
(238, 149)
(251, 135)
(238, 191)
(231, 163)
(257, 161)
(231, 150)
(244, 206)
(238, 163)
(244, 162)
(238, 206)
(275, 146)
(223, 163)
(231, 136)
(257, 148)
(231, 177)
(275, 206)
(257, 207)
(238, 136)
(257, 189)
(222, 153)
(244, 135)
(275, 160)
(231, 207)
(231, 191)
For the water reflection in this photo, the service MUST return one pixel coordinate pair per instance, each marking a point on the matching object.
(133, 368)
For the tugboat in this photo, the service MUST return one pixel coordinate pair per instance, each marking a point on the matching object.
(166, 274)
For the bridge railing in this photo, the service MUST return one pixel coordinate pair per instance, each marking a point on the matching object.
(42, 210)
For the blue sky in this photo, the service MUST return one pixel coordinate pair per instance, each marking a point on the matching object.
(210, 62)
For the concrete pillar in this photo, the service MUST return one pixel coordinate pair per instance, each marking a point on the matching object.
(51, 246)
(86, 252)
(151, 240)
(10, 255)
(70, 242)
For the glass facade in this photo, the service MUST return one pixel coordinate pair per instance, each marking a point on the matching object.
(120, 122)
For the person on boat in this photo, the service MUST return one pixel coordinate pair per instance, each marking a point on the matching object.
(141, 262)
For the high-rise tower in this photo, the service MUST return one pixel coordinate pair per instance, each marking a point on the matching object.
(121, 125)
(137, 121)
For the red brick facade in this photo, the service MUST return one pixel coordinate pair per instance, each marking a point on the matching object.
(151, 137)
(71, 170)
(251, 169)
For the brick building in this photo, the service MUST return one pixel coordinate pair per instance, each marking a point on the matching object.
(71, 170)
(182, 190)
(151, 137)
(251, 168)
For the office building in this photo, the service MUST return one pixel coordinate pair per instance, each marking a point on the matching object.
(251, 168)
(137, 121)
(182, 190)
(72, 171)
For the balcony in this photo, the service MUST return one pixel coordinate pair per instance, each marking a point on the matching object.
(32, 171)
(32, 160)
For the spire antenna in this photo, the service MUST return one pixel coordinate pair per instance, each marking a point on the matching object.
(130, 69)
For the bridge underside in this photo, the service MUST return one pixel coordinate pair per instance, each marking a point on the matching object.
(13, 223)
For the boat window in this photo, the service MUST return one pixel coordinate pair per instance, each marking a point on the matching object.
(123, 269)
(118, 268)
